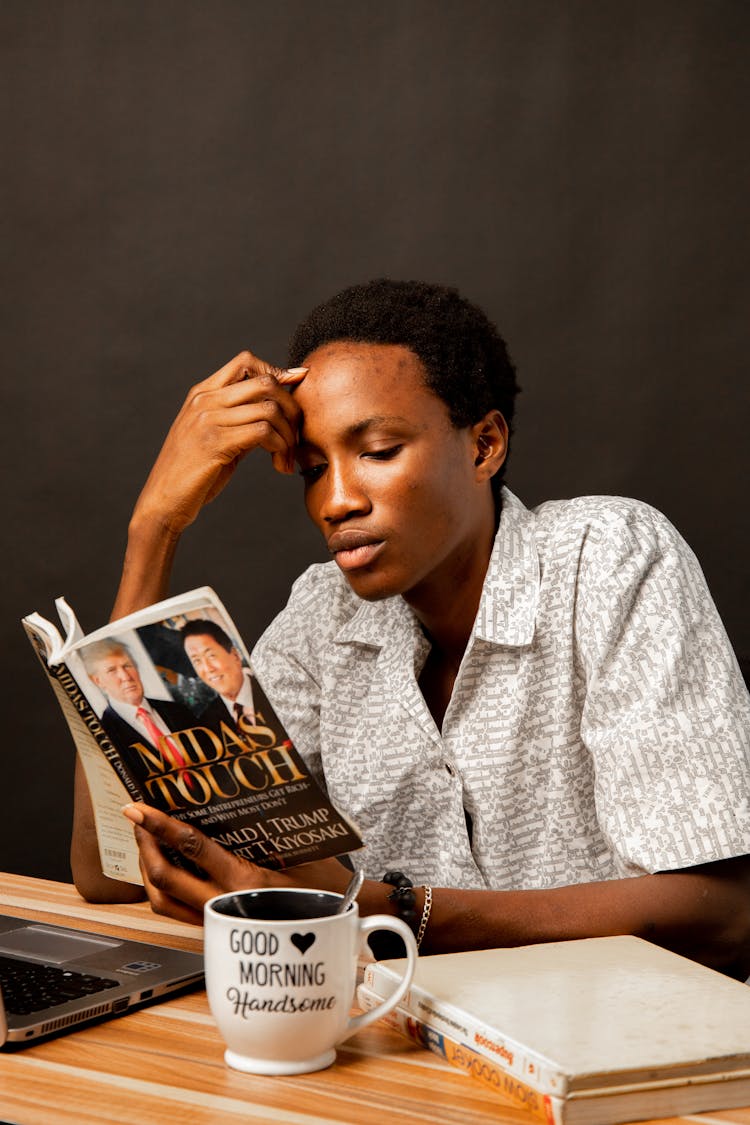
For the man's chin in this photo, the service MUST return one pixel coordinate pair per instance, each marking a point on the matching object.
(370, 588)
(227, 691)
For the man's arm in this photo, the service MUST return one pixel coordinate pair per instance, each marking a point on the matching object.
(243, 406)
(701, 912)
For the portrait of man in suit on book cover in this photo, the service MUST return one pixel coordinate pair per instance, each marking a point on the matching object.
(129, 717)
(218, 663)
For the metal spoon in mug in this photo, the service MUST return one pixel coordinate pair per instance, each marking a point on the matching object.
(351, 891)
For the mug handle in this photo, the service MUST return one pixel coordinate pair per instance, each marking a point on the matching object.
(385, 922)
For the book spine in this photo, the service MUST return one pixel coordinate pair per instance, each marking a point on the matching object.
(507, 1053)
(509, 1089)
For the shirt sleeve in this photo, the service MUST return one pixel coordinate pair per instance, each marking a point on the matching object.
(666, 715)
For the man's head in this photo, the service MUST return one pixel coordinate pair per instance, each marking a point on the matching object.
(111, 667)
(464, 357)
(403, 436)
(213, 656)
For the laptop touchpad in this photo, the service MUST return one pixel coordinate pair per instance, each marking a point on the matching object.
(49, 944)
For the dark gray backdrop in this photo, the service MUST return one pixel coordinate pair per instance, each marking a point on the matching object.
(184, 179)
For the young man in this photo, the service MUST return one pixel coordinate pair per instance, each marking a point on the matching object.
(535, 716)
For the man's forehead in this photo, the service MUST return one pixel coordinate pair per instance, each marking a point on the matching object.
(363, 353)
(116, 656)
(201, 641)
(352, 388)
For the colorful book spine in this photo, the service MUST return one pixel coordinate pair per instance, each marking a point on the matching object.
(509, 1089)
(508, 1055)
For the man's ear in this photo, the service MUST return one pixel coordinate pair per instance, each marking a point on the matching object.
(490, 444)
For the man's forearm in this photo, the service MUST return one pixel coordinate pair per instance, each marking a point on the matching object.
(702, 913)
(147, 567)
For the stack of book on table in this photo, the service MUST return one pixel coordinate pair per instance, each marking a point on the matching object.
(588, 1032)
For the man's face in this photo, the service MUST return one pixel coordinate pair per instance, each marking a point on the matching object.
(389, 480)
(218, 668)
(118, 678)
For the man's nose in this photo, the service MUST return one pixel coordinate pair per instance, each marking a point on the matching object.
(344, 496)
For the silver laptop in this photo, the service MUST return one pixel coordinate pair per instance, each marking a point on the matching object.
(54, 978)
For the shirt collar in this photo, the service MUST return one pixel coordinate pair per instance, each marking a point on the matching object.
(381, 622)
(507, 608)
(129, 711)
(244, 696)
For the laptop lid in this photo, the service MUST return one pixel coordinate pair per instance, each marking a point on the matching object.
(113, 975)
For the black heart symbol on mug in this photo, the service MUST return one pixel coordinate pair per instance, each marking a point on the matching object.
(303, 941)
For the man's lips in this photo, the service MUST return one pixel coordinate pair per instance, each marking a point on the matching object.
(352, 549)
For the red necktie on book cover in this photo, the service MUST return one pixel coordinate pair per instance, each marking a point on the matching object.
(160, 739)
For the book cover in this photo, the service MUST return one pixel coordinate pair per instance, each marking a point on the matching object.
(605, 1030)
(164, 707)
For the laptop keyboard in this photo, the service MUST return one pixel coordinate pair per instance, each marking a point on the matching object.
(31, 987)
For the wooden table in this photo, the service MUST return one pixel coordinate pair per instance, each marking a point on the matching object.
(164, 1066)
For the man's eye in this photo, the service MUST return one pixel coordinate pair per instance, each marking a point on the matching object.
(383, 454)
(311, 473)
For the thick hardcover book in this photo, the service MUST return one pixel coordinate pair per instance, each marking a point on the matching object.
(603, 1029)
(164, 707)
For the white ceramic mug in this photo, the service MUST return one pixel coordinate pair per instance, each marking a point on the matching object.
(280, 976)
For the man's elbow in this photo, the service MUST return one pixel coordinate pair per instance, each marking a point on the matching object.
(732, 945)
(100, 889)
(714, 916)
(723, 945)
(91, 882)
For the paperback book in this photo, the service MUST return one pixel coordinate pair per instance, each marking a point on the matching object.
(164, 707)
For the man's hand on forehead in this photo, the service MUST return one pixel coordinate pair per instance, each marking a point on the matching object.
(244, 405)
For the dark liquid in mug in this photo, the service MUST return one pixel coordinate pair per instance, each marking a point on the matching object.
(278, 905)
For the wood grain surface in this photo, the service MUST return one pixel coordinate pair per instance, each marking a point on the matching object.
(163, 1065)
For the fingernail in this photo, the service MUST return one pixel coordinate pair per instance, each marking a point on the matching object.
(133, 813)
(297, 370)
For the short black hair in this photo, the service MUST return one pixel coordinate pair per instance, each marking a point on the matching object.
(202, 627)
(465, 357)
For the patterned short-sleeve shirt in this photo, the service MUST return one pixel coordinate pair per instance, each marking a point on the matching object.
(598, 726)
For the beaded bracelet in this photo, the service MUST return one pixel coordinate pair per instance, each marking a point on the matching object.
(405, 899)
